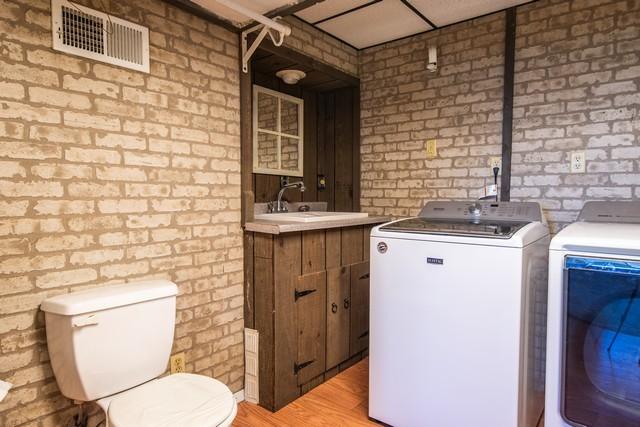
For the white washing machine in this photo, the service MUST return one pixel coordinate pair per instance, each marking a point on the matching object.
(593, 347)
(457, 332)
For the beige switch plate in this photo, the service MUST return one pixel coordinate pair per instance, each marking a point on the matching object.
(177, 363)
(432, 148)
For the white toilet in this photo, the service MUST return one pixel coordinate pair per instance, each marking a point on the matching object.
(110, 344)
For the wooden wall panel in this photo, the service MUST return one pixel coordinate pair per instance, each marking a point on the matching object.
(343, 156)
(352, 245)
(311, 323)
(264, 323)
(337, 315)
(313, 251)
(359, 335)
(287, 267)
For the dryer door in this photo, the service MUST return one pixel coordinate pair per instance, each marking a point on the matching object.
(601, 372)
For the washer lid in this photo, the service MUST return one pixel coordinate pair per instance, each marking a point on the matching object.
(179, 400)
(486, 229)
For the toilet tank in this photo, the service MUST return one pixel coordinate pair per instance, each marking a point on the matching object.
(106, 340)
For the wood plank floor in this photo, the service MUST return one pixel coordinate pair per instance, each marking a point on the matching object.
(341, 401)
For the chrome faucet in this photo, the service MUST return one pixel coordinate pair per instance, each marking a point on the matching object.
(279, 206)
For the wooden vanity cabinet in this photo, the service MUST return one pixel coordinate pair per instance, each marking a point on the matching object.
(310, 305)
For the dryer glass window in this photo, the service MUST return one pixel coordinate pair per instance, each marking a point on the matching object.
(601, 384)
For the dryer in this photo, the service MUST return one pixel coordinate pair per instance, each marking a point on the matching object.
(457, 321)
(593, 357)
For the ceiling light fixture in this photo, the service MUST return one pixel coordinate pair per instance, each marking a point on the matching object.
(291, 77)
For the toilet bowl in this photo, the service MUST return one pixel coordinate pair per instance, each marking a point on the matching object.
(111, 345)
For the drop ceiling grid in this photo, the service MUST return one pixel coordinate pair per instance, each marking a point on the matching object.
(329, 8)
(447, 12)
(258, 6)
(378, 23)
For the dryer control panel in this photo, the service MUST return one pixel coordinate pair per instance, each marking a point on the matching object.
(611, 211)
(482, 211)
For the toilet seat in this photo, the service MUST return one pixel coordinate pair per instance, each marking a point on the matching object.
(179, 400)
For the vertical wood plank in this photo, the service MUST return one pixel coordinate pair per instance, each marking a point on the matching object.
(246, 146)
(366, 241)
(249, 290)
(263, 245)
(311, 324)
(264, 323)
(343, 125)
(313, 251)
(337, 316)
(356, 149)
(287, 263)
(352, 245)
(310, 145)
(333, 248)
(359, 329)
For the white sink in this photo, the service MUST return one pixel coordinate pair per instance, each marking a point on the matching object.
(311, 216)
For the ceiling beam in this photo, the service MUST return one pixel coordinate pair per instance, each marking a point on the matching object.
(417, 12)
(362, 6)
(291, 9)
(199, 11)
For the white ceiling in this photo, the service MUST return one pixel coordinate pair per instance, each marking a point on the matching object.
(365, 23)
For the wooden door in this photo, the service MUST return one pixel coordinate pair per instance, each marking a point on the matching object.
(310, 301)
(338, 309)
(359, 335)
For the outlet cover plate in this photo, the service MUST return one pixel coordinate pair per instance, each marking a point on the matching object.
(578, 162)
(177, 363)
(495, 162)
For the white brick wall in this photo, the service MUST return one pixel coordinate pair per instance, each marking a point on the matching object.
(577, 88)
(108, 175)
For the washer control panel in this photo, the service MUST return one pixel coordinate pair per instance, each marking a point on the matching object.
(483, 211)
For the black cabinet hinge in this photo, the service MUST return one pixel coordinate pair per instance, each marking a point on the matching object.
(299, 294)
(297, 368)
(364, 334)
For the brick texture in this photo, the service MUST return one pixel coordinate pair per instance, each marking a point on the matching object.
(577, 88)
(321, 46)
(110, 175)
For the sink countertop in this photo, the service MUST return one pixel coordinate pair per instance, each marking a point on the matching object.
(279, 227)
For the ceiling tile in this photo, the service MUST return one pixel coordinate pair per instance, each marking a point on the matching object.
(378, 23)
(445, 12)
(328, 8)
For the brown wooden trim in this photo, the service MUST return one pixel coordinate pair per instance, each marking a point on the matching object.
(246, 142)
(291, 9)
(201, 12)
(507, 102)
(307, 61)
(356, 148)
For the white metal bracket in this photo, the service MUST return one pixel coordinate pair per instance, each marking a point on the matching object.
(247, 51)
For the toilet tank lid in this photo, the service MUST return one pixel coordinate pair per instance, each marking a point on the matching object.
(107, 297)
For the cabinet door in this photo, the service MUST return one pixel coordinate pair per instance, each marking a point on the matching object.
(359, 336)
(338, 309)
(310, 301)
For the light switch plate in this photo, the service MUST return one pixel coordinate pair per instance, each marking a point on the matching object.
(578, 162)
(432, 148)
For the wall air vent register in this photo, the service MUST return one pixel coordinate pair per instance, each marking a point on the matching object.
(86, 32)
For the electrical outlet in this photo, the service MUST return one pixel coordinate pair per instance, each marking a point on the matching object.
(495, 162)
(432, 148)
(177, 363)
(578, 160)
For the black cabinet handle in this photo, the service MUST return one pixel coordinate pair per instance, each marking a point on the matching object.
(346, 303)
(299, 294)
(334, 308)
